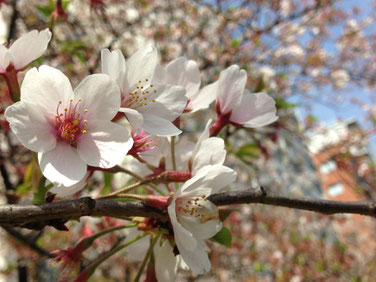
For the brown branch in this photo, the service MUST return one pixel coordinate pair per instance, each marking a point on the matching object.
(260, 196)
(56, 214)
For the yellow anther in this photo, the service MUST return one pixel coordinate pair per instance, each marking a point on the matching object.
(155, 91)
(146, 79)
(139, 81)
(60, 102)
(85, 111)
(153, 100)
(84, 131)
(65, 109)
(79, 99)
(85, 121)
(71, 100)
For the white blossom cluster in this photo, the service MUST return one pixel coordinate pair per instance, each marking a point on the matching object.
(74, 131)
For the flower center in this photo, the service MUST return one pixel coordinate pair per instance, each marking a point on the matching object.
(70, 123)
(192, 207)
(140, 95)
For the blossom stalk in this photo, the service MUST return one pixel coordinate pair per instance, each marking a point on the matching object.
(10, 77)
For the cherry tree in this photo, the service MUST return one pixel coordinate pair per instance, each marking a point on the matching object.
(147, 162)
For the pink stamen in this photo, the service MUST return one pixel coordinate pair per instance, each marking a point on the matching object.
(70, 126)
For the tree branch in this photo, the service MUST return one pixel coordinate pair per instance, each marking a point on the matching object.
(260, 196)
(57, 213)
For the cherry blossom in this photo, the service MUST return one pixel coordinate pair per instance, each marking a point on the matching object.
(147, 105)
(238, 106)
(186, 73)
(207, 151)
(194, 218)
(69, 130)
(24, 50)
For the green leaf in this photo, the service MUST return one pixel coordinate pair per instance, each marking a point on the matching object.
(258, 267)
(107, 179)
(236, 42)
(40, 193)
(223, 237)
(283, 104)
(249, 150)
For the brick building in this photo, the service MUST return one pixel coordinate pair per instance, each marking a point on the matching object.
(344, 164)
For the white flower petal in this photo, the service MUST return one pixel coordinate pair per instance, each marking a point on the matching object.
(113, 64)
(204, 135)
(197, 258)
(255, 110)
(183, 236)
(65, 191)
(105, 145)
(62, 165)
(159, 126)
(45, 87)
(184, 73)
(170, 102)
(202, 229)
(160, 75)
(29, 47)
(135, 118)
(141, 65)
(214, 178)
(166, 263)
(231, 85)
(100, 96)
(4, 58)
(31, 127)
(203, 98)
(211, 152)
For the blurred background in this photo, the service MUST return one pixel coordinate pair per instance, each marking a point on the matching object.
(317, 58)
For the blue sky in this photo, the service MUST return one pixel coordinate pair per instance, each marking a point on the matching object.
(328, 113)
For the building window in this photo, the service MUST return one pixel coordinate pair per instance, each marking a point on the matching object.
(328, 167)
(335, 190)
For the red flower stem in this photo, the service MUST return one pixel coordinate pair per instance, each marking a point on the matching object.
(221, 122)
(12, 82)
